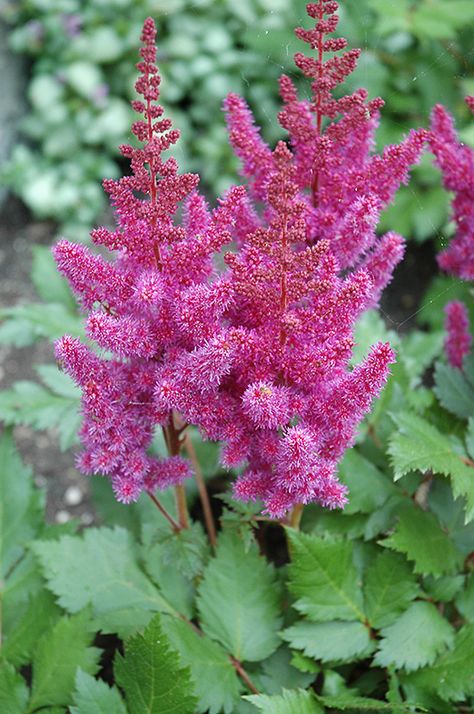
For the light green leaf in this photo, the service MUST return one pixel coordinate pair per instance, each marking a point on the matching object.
(470, 437)
(419, 536)
(369, 488)
(50, 320)
(330, 641)
(324, 579)
(415, 639)
(30, 403)
(292, 701)
(279, 672)
(13, 690)
(465, 600)
(59, 652)
(93, 696)
(49, 284)
(452, 675)
(389, 587)
(20, 505)
(443, 589)
(454, 391)
(100, 568)
(215, 681)
(419, 446)
(151, 675)
(238, 600)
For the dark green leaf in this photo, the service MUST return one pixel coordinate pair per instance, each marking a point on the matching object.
(13, 690)
(369, 488)
(454, 391)
(30, 620)
(151, 675)
(465, 600)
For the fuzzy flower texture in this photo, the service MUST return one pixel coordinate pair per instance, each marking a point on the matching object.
(256, 352)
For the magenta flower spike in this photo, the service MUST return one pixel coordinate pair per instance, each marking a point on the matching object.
(458, 338)
(456, 161)
(257, 353)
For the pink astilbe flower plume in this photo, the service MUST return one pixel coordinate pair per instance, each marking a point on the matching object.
(256, 355)
(458, 338)
(456, 161)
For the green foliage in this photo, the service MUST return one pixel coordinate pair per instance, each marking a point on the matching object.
(151, 676)
(238, 601)
(330, 641)
(290, 702)
(93, 696)
(13, 690)
(389, 588)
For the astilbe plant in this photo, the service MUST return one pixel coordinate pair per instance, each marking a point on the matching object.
(255, 354)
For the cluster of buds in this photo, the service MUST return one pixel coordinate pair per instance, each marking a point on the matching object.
(254, 349)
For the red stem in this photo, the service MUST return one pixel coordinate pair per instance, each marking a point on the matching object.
(174, 525)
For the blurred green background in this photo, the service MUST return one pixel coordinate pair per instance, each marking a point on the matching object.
(80, 57)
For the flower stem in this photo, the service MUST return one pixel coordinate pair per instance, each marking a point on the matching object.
(203, 494)
(175, 526)
(243, 674)
(181, 506)
(295, 516)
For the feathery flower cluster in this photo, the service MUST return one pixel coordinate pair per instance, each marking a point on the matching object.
(458, 338)
(456, 161)
(257, 354)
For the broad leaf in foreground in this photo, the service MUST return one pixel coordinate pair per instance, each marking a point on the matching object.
(28, 622)
(419, 536)
(420, 446)
(13, 690)
(389, 587)
(452, 675)
(93, 696)
(20, 506)
(294, 701)
(415, 639)
(215, 681)
(330, 641)
(238, 600)
(344, 702)
(368, 487)
(151, 675)
(58, 654)
(100, 569)
(324, 579)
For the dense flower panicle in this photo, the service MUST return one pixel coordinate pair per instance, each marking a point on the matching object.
(456, 161)
(255, 354)
(458, 337)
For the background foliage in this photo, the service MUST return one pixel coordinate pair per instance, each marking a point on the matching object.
(81, 55)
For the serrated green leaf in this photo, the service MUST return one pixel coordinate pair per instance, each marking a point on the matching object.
(238, 600)
(345, 702)
(187, 550)
(369, 488)
(452, 675)
(49, 283)
(215, 681)
(419, 536)
(415, 639)
(324, 579)
(330, 641)
(418, 350)
(470, 437)
(453, 390)
(465, 599)
(100, 568)
(443, 589)
(20, 505)
(278, 673)
(419, 446)
(389, 587)
(93, 696)
(59, 652)
(58, 381)
(30, 403)
(296, 701)
(151, 675)
(30, 620)
(13, 690)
